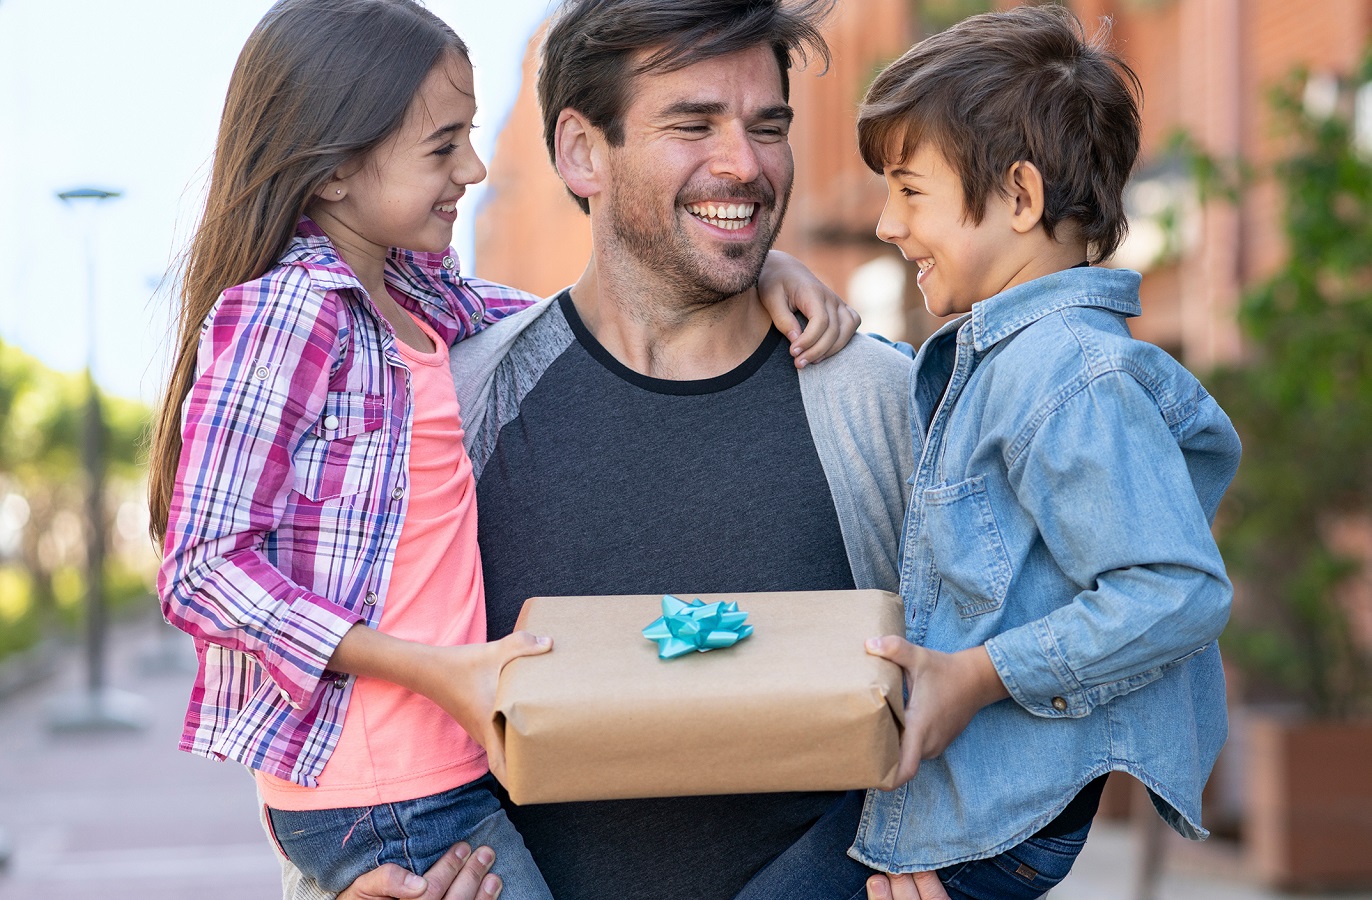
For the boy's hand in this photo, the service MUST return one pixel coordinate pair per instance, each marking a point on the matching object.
(945, 690)
(785, 285)
(919, 886)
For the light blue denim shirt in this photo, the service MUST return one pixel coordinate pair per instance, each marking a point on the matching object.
(1067, 478)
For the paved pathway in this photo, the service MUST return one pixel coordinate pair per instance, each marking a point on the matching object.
(127, 815)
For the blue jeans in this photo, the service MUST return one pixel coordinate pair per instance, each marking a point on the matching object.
(335, 846)
(817, 867)
(1023, 872)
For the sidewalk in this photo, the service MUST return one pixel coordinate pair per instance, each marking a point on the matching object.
(127, 815)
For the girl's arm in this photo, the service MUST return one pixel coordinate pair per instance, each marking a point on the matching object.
(461, 680)
(786, 285)
(264, 363)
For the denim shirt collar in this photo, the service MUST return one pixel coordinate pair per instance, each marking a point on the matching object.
(998, 317)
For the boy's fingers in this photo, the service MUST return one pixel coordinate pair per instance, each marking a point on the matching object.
(892, 647)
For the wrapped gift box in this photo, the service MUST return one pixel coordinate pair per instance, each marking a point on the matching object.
(798, 705)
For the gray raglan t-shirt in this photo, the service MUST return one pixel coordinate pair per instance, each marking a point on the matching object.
(610, 482)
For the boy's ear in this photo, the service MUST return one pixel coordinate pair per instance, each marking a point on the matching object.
(1024, 182)
(580, 148)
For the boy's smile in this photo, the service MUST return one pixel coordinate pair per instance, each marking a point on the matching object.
(960, 263)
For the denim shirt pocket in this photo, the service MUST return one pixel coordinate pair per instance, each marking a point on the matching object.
(339, 454)
(966, 544)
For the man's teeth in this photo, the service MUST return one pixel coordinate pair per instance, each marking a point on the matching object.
(924, 264)
(729, 216)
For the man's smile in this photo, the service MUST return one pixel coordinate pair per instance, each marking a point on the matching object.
(728, 216)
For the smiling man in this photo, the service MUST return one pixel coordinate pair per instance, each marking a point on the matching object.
(646, 430)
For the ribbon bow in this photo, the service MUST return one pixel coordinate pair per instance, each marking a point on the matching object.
(698, 626)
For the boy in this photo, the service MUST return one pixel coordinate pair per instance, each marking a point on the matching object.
(1063, 589)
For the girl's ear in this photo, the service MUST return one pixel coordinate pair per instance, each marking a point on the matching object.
(334, 189)
(1024, 182)
(580, 150)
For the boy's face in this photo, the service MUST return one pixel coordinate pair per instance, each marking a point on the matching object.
(959, 263)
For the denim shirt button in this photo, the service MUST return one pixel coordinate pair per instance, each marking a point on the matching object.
(1059, 704)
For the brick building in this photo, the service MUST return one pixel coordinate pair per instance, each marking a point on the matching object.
(1206, 67)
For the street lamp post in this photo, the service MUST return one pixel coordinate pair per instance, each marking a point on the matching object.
(98, 707)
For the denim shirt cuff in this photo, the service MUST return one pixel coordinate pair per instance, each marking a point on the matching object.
(1034, 671)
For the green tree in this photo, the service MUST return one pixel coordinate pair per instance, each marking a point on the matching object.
(1302, 402)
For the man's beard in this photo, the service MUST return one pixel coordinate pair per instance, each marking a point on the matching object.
(664, 247)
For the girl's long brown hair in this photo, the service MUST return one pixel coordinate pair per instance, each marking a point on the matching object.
(319, 83)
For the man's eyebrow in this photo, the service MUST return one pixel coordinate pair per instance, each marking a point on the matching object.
(710, 108)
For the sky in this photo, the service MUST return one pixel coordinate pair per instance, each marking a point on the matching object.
(126, 96)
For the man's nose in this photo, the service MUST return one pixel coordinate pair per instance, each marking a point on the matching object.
(735, 156)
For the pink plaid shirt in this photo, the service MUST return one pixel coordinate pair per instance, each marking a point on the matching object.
(291, 490)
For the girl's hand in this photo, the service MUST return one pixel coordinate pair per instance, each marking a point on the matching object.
(786, 285)
(461, 680)
(945, 691)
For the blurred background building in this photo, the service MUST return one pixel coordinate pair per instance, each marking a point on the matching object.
(1206, 68)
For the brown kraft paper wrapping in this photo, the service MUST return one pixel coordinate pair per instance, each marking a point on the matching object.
(797, 706)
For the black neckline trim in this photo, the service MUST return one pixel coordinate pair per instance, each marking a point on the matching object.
(736, 376)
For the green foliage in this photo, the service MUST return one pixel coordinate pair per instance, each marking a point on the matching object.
(42, 420)
(1302, 402)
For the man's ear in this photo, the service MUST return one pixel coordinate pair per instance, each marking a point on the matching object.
(580, 150)
(1024, 182)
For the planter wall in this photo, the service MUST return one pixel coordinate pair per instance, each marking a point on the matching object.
(1309, 794)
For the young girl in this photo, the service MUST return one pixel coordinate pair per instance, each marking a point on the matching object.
(309, 484)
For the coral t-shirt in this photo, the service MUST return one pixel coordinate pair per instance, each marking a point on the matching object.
(397, 745)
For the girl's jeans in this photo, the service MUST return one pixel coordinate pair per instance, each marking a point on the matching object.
(335, 846)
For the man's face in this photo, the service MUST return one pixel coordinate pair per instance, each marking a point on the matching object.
(698, 190)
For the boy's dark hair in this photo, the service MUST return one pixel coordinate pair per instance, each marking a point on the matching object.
(1025, 84)
(587, 60)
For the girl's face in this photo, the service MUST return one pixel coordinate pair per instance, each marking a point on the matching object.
(404, 193)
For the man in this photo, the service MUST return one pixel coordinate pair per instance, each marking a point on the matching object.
(646, 432)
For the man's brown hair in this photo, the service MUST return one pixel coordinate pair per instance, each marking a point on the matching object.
(1025, 84)
(587, 60)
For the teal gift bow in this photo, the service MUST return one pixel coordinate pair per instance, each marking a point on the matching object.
(697, 626)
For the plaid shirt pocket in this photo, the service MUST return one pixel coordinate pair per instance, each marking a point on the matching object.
(339, 455)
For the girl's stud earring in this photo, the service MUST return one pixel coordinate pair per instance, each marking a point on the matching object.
(338, 191)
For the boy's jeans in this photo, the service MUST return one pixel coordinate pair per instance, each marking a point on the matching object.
(817, 866)
(1023, 872)
(335, 846)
